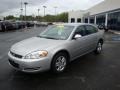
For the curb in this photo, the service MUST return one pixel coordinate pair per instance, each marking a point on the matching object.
(115, 32)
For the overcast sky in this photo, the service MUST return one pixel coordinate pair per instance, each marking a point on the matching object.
(12, 7)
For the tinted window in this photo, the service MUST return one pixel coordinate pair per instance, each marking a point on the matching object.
(79, 20)
(80, 30)
(92, 20)
(86, 20)
(114, 21)
(90, 29)
(72, 20)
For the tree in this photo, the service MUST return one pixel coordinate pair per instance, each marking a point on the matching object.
(10, 17)
(63, 17)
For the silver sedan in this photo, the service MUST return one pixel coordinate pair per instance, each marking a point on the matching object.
(54, 48)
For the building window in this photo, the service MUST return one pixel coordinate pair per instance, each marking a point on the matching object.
(72, 20)
(86, 20)
(100, 20)
(92, 20)
(114, 21)
(79, 20)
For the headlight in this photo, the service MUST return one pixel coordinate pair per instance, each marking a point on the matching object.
(36, 55)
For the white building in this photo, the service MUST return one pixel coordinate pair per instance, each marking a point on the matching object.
(76, 16)
(106, 13)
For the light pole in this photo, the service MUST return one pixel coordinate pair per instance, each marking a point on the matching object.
(38, 14)
(55, 14)
(21, 9)
(16, 16)
(44, 10)
(21, 13)
(55, 11)
(25, 3)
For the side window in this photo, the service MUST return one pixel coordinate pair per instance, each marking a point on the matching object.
(90, 29)
(80, 30)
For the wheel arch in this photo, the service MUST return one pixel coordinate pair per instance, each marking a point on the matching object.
(63, 51)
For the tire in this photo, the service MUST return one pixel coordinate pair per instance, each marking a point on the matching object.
(98, 49)
(59, 63)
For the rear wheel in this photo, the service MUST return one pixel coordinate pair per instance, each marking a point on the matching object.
(98, 49)
(59, 63)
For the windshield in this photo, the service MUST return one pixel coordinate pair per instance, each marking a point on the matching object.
(60, 32)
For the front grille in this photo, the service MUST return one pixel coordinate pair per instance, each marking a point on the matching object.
(16, 55)
(13, 64)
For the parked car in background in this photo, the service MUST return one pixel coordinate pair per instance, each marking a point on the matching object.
(50, 23)
(44, 23)
(5, 26)
(8, 25)
(29, 24)
(15, 25)
(0, 26)
(56, 47)
(21, 24)
(38, 24)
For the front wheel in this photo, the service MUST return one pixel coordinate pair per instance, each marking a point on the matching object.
(59, 63)
(98, 49)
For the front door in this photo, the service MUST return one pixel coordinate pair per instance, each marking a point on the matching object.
(78, 46)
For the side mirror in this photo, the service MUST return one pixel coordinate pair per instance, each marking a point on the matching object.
(101, 27)
(77, 36)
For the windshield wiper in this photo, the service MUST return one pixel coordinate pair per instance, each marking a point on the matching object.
(48, 37)
(51, 38)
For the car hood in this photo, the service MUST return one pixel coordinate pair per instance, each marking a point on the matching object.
(34, 44)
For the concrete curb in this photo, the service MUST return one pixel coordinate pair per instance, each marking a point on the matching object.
(114, 32)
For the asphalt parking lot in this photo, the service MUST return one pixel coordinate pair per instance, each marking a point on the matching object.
(89, 72)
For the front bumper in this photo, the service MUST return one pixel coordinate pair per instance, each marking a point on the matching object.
(28, 65)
